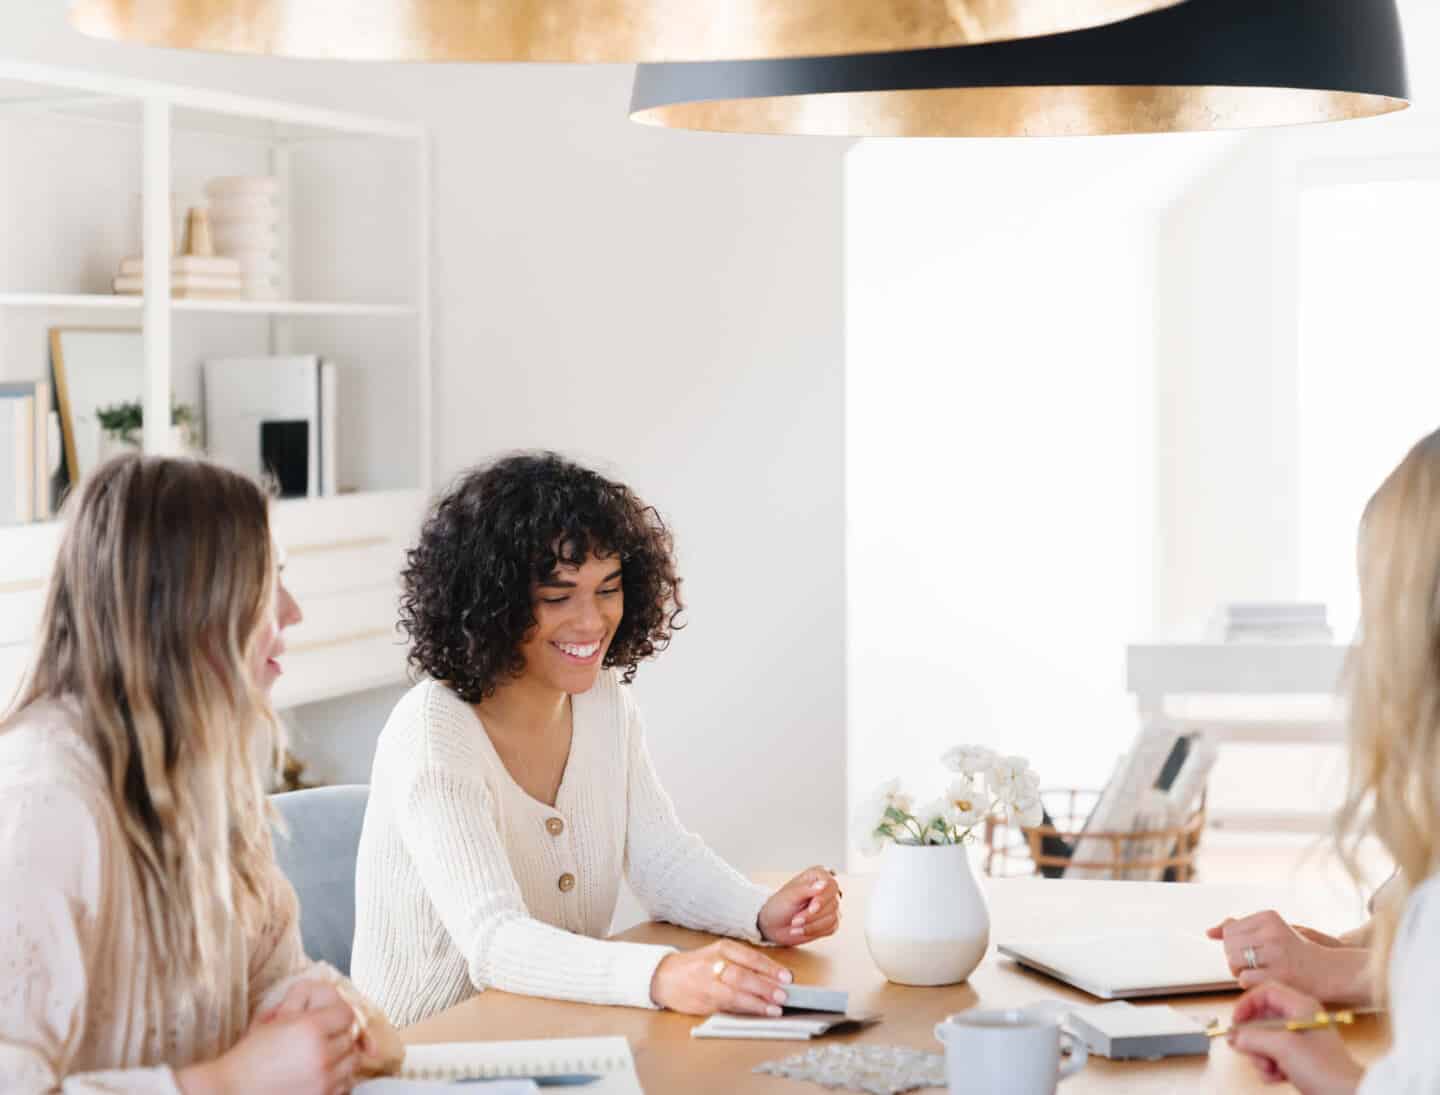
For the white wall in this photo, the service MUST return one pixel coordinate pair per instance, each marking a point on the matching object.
(665, 305)
(1369, 387)
(999, 440)
(1229, 346)
(1225, 426)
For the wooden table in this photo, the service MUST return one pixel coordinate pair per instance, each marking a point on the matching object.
(670, 1062)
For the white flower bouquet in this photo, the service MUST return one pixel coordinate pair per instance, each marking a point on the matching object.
(983, 784)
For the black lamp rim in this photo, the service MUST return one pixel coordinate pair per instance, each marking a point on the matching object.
(1323, 46)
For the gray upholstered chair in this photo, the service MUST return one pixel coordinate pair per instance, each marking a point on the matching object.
(319, 859)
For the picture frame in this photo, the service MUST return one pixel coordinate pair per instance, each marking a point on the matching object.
(93, 367)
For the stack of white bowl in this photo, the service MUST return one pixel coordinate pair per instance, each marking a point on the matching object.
(245, 224)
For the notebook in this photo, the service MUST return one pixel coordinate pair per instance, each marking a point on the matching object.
(810, 1012)
(788, 1028)
(606, 1057)
(1124, 966)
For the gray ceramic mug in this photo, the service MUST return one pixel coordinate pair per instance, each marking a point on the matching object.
(1007, 1053)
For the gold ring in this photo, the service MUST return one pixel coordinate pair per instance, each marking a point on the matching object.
(719, 969)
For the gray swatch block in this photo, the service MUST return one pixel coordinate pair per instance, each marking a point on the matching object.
(811, 998)
(1124, 1031)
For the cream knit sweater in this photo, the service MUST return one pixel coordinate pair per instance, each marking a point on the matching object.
(464, 881)
(85, 1006)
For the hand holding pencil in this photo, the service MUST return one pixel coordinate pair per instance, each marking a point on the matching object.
(1280, 1029)
(1318, 1021)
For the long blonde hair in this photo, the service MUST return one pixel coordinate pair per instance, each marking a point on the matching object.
(163, 576)
(1394, 683)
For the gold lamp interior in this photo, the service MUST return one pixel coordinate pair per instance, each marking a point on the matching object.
(1019, 111)
(585, 30)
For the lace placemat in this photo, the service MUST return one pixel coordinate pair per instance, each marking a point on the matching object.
(876, 1070)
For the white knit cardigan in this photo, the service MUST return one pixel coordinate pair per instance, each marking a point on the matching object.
(1412, 1066)
(465, 881)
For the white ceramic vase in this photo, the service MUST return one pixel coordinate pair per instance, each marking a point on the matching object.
(928, 923)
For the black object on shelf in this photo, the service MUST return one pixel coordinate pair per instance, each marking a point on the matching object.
(285, 455)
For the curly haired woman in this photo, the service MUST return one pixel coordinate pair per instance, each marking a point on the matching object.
(512, 787)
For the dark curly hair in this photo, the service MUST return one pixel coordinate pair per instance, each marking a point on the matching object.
(466, 588)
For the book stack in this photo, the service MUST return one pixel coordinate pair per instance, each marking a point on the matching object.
(194, 277)
(24, 452)
(1273, 621)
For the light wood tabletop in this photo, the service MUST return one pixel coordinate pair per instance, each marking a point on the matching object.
(670, 1062)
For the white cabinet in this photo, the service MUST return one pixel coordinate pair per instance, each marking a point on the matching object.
(88, 166)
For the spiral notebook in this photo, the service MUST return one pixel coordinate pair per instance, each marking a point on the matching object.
(608, 1058)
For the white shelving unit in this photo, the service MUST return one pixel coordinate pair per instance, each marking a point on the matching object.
(1245, 684)
(115, 302)
(370, 309)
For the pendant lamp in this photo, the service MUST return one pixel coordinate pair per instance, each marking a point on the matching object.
(1203, 65)
(583, 30)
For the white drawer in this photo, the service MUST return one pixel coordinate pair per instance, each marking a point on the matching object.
(347, 521)
(345, 617)
(340, 669)
(26, 554)
(344, 558)
(13, 662)
(343, 569)
(20, 614)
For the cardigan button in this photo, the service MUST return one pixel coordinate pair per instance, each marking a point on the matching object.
(567, 882)
(554, 826)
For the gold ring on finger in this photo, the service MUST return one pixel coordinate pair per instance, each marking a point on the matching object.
(718, 969)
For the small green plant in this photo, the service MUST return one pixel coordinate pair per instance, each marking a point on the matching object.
(125, 421)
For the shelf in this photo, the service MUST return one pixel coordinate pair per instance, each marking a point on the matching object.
(293, 308)
(104, 301)
(133, 303)
(1236, 669)
(89, 96)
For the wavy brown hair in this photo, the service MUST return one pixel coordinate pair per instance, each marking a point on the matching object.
(1394, 685)
(466, 602)
(163, 575)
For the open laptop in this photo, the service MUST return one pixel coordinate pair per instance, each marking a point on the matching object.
(1120, 967)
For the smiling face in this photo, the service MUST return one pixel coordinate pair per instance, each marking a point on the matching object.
(283, 611)
(577, 612)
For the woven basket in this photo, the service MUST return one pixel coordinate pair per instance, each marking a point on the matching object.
(1167, 853)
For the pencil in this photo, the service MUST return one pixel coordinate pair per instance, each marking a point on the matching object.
(1319, 1021)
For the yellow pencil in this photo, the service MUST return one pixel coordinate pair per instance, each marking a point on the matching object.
(1319, 1021)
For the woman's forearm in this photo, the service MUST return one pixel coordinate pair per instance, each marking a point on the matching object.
(529, 957)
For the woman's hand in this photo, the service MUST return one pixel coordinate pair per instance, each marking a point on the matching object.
(312, 1051)
(725, 976)
(1315, 1061)
(381, 1052)
(1320, 938)
(1314, 963)
(804, 909)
